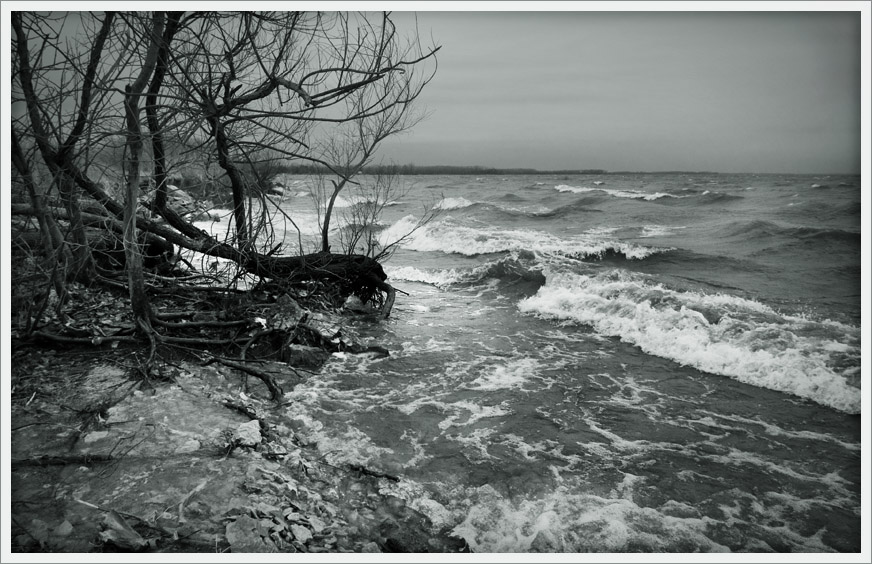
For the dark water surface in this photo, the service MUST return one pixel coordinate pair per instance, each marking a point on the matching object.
(612, 363)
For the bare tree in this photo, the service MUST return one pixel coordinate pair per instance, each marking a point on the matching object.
(133, 257)
(360, 223)
(58, 129)
(245, 90)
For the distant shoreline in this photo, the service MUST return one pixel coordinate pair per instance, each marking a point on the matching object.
(410, 169)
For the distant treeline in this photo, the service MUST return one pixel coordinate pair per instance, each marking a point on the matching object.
(438, 169)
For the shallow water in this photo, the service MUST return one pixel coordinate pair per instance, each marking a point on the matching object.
(652, 363)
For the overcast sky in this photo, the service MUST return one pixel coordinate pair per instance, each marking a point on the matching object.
(716, 91)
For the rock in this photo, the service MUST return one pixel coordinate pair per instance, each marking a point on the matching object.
(179, 200)
(317, 524)
(64, 529)
(191, 445)
(545, 541)
(243, 535)
(286, 314)
(119, 533)
(95, 436)
(302, 356)
(353, 303)
(247, 434)
(301, 533)
(322, 326)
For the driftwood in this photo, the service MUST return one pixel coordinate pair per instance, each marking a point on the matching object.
(347, 274)
(357, 275)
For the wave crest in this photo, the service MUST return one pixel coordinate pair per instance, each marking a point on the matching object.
(720, 334)
(449, 236)
(634, 194)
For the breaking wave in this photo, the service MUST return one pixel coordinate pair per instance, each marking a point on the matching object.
(719, 334)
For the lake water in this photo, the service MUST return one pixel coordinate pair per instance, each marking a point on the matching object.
(612, 363)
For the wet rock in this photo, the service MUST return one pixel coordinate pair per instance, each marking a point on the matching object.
(323, 326)
(247, 434)
(64, 529)
(104, 386)
(286, 313)
(354, 304)
(302, 356)
(301, 533)
(119, 533)
(246, 535)
(545, 541)
(191, 445)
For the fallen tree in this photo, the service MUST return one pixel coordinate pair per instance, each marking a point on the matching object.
(107, 106)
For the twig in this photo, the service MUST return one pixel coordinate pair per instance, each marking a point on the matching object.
(84, 340)
(47, 460)
(193, 324)
(372, 473)
(257, 334)
(185, 499)
(275, 390)
(192, 341)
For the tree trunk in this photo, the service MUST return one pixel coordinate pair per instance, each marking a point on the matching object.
(138, 298)
(82, 267)
(160, 170)
(133, 257)
(236, 184)
(57, 255)
(325, 229)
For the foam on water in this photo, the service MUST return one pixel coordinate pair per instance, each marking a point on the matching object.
(586, 443)
(658, 230)
(720, 334)
(633, 194)
(566, 521)
(777, 431)
(448, 236)
(437, 278)
(453, 204)
(512, 375)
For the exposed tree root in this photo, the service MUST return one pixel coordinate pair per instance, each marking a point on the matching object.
(274, 389)
(197, 324)
(63, 460)
(95, 340)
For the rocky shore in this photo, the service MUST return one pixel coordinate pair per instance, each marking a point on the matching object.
(202, 460)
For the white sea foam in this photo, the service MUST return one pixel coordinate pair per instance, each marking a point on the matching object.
(658, 230)
(600, 231)
(453, 203)
(467, 412)
(448, 236)
(511, 375)
(352, 446)
(564, 521)
(775, 430)
(748, 341)
(437, 278)
(634, 194)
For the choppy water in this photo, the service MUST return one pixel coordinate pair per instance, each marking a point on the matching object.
(612, 363)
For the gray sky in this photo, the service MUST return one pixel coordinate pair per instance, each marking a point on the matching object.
(716, 91)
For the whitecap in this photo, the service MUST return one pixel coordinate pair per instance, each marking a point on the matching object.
(453, 203)
(449, 236)
(507, 376)
(745, 339)
(633, 194)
